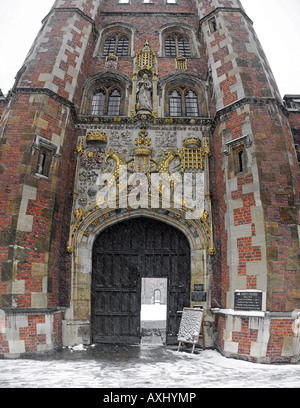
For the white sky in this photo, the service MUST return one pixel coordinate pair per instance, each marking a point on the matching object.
(276, 22)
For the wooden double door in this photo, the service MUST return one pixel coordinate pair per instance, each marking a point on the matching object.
(125, 253)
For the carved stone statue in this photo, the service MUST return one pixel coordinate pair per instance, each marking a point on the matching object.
(144, 94)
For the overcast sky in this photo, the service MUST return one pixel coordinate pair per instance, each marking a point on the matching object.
(276, 22)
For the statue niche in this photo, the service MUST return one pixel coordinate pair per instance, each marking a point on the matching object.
(144, 89)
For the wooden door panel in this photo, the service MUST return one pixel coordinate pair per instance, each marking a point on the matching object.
(122, 255)
(116, 298)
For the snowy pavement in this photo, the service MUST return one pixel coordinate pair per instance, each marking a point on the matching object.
(146, 366)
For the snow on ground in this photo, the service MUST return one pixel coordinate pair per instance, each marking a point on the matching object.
(145, 366)
(154, 312)
(150, 365)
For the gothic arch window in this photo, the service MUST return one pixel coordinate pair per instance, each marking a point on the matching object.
(123, 46)
(113, 103)
(184, 48)
(109, 45)
(116, 45)
(175, 103)
(116, 41)
(183, 101)
(106, 101)
(170, 46)
(176, 44)
(98, 102)
(191, 103)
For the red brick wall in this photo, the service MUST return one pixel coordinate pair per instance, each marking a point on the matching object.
(36, 333)
(18, 163)
(53, 82)
(280, 197)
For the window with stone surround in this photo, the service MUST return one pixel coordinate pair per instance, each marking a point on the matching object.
(106, 101)
(116, 45)
(176, 45)
(104, 95)
(178, 42)
(115, 41)
(212, 23)
(46, 151)
(236, 150)
(240, 160)
(182, 101)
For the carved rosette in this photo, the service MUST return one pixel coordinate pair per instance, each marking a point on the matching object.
(92, 158)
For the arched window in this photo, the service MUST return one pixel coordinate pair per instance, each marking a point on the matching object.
(98, 102)
(184, 47)
(122, 49)
(183, 102)
(177, 45)
(157, 296)
(106, 101)
(109, 45)
(191, 104)
(175, 104)
(170, 47)
(114, 102)
(116, 44)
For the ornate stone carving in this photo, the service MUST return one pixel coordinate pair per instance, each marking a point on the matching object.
(144, 90)
(192, 154)
(96, 136)
(142, 154)
(79, 149)
(92, 158)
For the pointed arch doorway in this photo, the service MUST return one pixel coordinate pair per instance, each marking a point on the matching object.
(123, 254)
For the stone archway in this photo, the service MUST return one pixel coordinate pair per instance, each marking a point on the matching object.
(77, 323)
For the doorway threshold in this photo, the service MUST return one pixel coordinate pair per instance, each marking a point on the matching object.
(153, 332)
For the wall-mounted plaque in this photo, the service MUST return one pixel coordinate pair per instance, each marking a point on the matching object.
(198, 296)
(248, 300)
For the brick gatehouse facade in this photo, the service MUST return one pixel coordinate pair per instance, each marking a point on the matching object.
(149, 139)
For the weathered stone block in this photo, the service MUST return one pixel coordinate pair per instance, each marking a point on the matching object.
(288, 215)
(7, 271)
(272, 253)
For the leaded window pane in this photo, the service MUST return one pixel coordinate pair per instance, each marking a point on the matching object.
(170, 47)
(175, 104)
(184, 47)
(122, 50)
(114, 103)
(98, 102)
(109, 45)
(191, 104)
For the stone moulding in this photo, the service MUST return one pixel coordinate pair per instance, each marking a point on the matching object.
(246, 139)
(147, 119)
(87, 224)
(90, 120)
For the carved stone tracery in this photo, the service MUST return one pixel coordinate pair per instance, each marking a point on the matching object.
(95, 161)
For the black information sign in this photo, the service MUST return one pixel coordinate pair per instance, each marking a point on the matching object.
(198, 296)
(248, 300)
